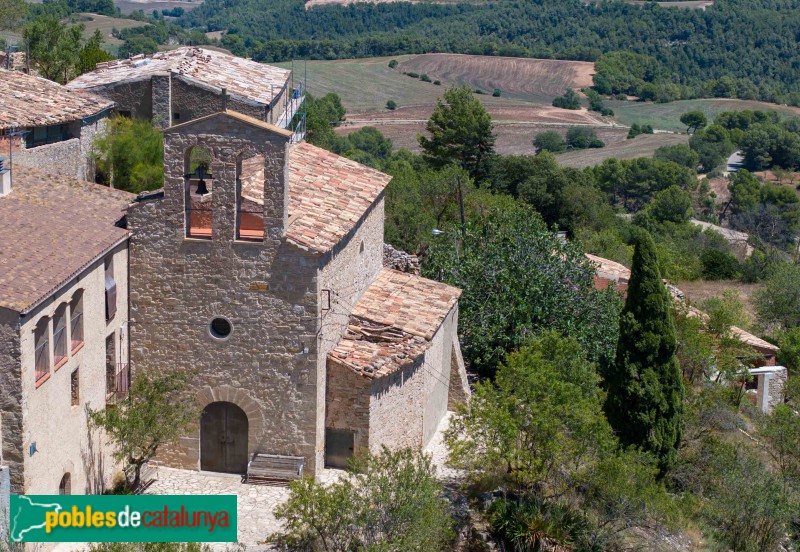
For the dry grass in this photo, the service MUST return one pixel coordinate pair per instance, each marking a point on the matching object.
(129, 6)
(643, 145)
(700, 290)
(95, 22)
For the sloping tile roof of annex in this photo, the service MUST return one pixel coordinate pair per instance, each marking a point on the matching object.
(52, 227)
(241, 77)
(393, 323)
(328, 195)
(30, 101)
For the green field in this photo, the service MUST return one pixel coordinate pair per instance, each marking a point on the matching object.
(666, 116)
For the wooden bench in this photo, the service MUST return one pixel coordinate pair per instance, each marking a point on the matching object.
(274, 466)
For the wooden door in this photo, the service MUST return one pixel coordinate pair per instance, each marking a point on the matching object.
(223, 438)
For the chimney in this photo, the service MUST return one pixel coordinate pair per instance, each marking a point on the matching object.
(5, 178)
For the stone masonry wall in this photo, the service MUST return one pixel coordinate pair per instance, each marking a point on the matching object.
(397, 407)
(437, 375)
(71, 157)
(134, 97)
(350, 268)
(192, 102)
(11, 453)
(161, 100)
(268, 365)
(64, 442)
(348, 404)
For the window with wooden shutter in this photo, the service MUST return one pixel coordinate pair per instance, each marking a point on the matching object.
(111, 290)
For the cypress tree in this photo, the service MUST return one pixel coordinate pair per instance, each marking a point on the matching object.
(645, 390)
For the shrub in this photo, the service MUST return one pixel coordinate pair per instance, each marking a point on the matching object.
(583, 137)
(425, 78)
(570, 100)
(393, 64)
(496, 93)
(479, 91)
(529, 523)
(391, 105)
(392, 501)
(549, 140)
(719, 265)
(412, 75)
(437, 82)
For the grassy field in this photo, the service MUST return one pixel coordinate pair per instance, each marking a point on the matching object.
(93, 22)
(666, 116)
(643, 145)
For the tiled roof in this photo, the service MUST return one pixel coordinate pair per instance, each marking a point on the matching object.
(328, 195)
(743, 336)
(241, 77)
(610, 269)
(29, 101)
(51, 228)
(393, 323)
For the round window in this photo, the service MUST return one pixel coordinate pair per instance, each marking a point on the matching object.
(220, 328)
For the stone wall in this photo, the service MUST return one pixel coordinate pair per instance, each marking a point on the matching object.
(437, 376)
(268, 291)
(71, 157)
(60, 430)
(133, 97)
(397, 408)
(348, 271)
(11, 453)
(161, 100)
(400, 260)
(348, 404)
(770, 390)
(191, 101)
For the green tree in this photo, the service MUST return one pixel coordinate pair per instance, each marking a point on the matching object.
(670, 205)
(138, 44)
(778, 302)
(583, 137)
(131, 152)
(789, 353)
(781, 429)
(460, 131)
(12, 13)
(54, 47)
(570, 100)
(681, 154)
(645, 388)
(549, 140)
(713, 145)
(518, 280)
(154, 414)
(391, 105)
(745, 191)
(92, 53)
(322, 115)
(391, 501)
(694, 120)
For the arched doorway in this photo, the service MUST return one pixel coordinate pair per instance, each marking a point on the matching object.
(65, 487)
(223, 438)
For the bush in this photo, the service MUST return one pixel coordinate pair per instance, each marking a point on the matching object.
(425, 78)
(583, 137)
(479, 91)
(719, 265)
(496, 93)
(392, 501)
(549, 140)
(391, 105)
(412, 75)
(437, 82)
(529, 523)
(570, 100)
(637, 129)
(393, 64)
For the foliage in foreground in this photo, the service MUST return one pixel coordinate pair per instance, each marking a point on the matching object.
(154, 414)
(391, 502)
(645, 388)
(539, 430)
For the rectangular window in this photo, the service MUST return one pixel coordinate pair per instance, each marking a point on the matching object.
(111, 289)
(42, 349)
(76, 322)
(250, 200)
(176, 116)
(75, 387)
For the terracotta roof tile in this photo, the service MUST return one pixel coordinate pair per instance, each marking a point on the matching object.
(51, 227)
(393, 323)
(29, 101)
(241, 77)
(328, 195)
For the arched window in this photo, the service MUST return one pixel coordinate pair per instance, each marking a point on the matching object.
(60, 336)
(76, 321)
(41, 339)
(250, 198)
(199, 188)
(65, 487)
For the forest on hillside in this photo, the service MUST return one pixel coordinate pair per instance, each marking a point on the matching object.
(736, 48)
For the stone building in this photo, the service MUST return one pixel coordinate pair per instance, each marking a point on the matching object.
(63, 326)
(262, 274)
(187, 83)
(47, 126)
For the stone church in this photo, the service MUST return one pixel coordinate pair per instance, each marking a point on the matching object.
(259, 268)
